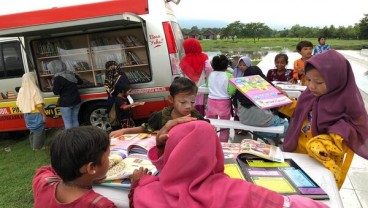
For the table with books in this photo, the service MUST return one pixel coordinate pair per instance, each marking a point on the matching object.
(287, 173)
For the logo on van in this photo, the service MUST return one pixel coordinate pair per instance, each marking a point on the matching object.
(4, 111)
(53, 111)
(155, 40)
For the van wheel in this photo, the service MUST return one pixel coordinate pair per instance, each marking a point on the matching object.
(96, 115)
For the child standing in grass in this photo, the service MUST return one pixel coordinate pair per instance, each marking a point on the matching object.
(220, 92)
(280, 73)
(183, 93)
(79, 159)
(305, 49)
(31, 103)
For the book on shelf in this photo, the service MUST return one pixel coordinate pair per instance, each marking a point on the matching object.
(249, 148)
(11, 95)
(133, 59)
(286, 178)
(137, 76)
(260, 92)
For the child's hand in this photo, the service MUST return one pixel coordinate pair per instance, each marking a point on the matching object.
(281, 91)
(293, 81)
(116, 133)
(137, 175)
(163, 135)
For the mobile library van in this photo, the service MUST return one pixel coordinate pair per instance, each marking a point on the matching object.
(142, 36)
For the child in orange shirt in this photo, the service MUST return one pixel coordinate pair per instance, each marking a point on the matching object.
(305, 49)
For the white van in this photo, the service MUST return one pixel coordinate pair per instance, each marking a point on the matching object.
(142, 36)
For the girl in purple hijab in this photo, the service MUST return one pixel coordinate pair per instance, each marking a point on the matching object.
(329, 120)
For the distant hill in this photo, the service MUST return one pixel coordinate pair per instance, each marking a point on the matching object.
(201, 23)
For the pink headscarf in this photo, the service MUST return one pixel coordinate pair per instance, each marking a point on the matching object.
(192, 64)
(340, 111)
(193, 175)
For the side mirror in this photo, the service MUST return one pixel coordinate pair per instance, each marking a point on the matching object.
(17, 89)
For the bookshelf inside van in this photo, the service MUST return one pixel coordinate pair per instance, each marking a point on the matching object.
(87, 54)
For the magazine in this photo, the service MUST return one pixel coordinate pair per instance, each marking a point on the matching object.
(126, 167)
(127, 153)
(286, 178)
(132, 143)
(249, 148)
(260, 92)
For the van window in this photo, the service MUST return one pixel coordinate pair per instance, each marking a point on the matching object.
(87, 54)
(11, 62)
(178, 38)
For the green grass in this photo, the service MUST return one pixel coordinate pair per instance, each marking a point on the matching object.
(274, 44)
(18, 165)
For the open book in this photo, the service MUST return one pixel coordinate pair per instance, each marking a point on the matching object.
(127, 153)
(289, 86)
(260, 92)
(249, 148)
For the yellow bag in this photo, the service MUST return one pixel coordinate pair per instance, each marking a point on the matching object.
(330, 151)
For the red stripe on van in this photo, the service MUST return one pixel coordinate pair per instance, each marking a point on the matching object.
(70, 13)
(170, 39)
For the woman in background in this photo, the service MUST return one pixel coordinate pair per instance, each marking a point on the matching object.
(31, 103)
(66, 86)
(196, 66)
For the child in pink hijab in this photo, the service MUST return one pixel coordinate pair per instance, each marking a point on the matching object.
(329, 121)
(192, 175)
(196, 66)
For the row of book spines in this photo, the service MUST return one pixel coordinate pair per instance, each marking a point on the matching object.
(137, 76)
(8, 95)
(50, 48)
(76, 65)
(124, 41)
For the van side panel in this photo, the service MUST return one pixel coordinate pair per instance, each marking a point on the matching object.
(72, 13)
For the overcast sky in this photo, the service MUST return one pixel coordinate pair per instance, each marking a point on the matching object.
(281, 13)
(274, 13)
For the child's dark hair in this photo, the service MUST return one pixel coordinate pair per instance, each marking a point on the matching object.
(75, 147)
(282, 55)
(302, 44)
(308, 67)
(181, 85)
(220, 63)
(320, 37)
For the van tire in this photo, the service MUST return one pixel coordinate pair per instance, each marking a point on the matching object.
(96, 115)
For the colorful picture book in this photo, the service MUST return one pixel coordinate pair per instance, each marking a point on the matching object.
(286, 177)
(250, 148)
(260, 92)
(127, 153)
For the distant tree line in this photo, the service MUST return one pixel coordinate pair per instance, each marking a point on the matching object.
(256, 30)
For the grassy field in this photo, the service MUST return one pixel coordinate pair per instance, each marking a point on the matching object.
(17, 166)
(274, 44)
